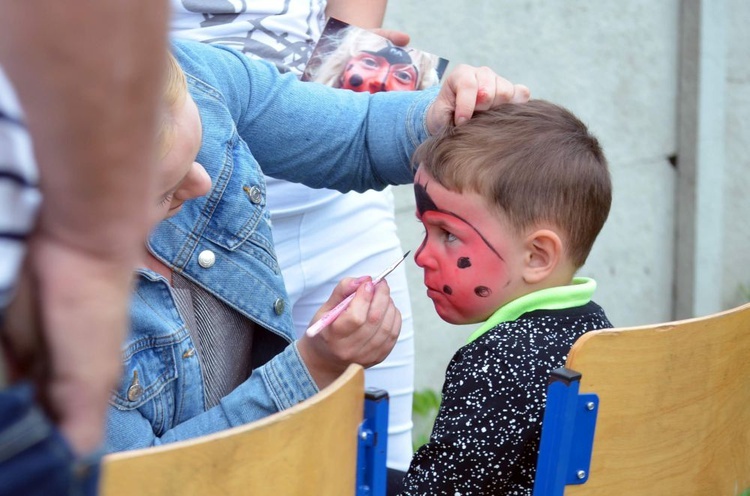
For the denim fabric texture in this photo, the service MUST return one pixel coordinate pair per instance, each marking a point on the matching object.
(252, 118)
(35, 460)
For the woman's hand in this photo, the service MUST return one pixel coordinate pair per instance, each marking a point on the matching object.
(467, 89)
(398, 38)
(364, 333)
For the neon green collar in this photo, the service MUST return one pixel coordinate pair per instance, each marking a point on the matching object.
(576, 294)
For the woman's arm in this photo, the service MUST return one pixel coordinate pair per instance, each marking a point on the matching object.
(88, 75)
(366, 14)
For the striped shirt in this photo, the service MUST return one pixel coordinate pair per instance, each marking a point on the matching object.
(19, 194)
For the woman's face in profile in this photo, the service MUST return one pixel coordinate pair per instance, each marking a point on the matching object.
(389, 69)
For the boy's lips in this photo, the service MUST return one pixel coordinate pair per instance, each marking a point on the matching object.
(431, 291)
(434, 287)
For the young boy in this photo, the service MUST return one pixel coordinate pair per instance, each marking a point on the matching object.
(511, 203)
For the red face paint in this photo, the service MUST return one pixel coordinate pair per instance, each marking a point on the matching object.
(471, 264)
(389, 69)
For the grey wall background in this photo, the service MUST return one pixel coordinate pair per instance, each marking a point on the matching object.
(657, 82)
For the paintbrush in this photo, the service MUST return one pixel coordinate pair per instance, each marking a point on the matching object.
(333, 313)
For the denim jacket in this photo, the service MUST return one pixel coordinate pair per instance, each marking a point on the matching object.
(302, 132)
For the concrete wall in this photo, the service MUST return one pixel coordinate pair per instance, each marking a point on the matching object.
(736, 266)
(619, 66)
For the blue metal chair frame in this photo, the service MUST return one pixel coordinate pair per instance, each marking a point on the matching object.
(567, 435)
(372, 445)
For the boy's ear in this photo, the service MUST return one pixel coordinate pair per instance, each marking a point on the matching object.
(544, 251)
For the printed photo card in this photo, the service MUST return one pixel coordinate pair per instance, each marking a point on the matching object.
(357, 59)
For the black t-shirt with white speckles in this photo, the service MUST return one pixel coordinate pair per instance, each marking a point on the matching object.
(486, 436)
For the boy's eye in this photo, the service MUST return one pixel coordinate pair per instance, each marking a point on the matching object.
(449, 237)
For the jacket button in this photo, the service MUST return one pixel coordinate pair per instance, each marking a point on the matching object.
(206, 259)
(278, 306)
(135, 390)
(254, 194)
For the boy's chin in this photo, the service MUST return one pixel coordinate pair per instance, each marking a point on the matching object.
(453, 317)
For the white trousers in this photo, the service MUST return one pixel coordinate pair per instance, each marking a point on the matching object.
(350, 236)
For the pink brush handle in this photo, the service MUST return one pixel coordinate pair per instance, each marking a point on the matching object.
(330, 316)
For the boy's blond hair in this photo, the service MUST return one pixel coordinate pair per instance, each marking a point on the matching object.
(174, 95)
(536, 162)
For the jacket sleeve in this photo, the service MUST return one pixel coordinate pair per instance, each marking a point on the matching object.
(310, 133)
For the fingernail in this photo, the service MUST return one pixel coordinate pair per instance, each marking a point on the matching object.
(461, 120)
(369, 287)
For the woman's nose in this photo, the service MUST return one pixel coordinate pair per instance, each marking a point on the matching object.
(199, 182)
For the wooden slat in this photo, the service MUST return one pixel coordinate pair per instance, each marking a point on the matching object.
(674, 416)
(310, 448)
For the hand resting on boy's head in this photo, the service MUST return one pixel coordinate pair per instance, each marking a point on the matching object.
(467, 89)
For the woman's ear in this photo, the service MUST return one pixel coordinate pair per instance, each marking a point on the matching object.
(544, 251)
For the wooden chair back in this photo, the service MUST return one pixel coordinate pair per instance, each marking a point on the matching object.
(310, 448)
(674, 407)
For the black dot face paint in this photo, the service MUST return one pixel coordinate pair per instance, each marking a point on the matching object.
(447, 290)
(482, 291)
(463, 263)
(356, 81)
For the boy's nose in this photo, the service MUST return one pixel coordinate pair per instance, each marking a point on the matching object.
(421, 256)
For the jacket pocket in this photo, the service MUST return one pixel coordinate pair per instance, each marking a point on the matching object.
(147, 385)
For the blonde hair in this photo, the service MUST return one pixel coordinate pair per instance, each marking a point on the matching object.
(173, 96)
(327, 67)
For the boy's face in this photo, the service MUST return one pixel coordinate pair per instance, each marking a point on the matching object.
(180, 177)
(472, 260)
